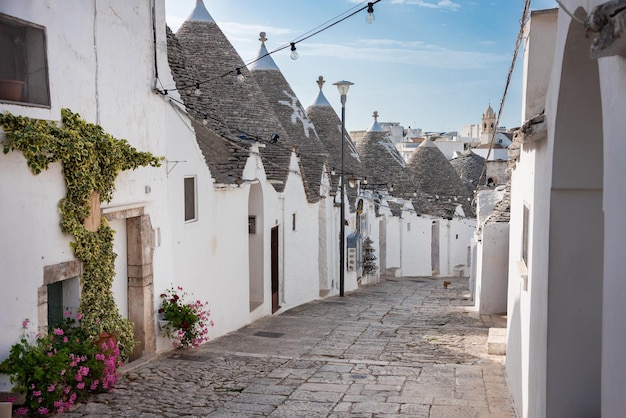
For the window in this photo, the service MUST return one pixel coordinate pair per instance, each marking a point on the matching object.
(62, 295)
(525, 235)
(293, 221)
(190, 199)
(251, 224)
(24, 66)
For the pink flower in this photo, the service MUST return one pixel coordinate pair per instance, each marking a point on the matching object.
(67, 390)
(79, 316)
(94, 385)
(58, 404)
(81, 385)
(25, 323)
(36, 393)
(65, 340)
(57, 331)
(43, 411)
(22, 411)
(63, 372)
(11, 398)
(51, 388)
(67, 314)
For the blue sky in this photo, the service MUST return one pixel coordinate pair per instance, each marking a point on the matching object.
(430, 64)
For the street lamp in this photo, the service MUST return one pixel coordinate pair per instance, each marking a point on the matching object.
(343, 87)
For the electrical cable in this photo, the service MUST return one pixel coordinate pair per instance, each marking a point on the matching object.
(297, 40)
(524, 19)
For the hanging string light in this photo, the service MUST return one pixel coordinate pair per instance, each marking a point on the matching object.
(294, 53)
(292, 45)
(240, 78)
(370, 13)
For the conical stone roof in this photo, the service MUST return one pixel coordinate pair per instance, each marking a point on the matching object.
(225, 159)
(381, 160)
(328, 126)
(239, 111)
(287, 107)
(435, 176)
(469, 166)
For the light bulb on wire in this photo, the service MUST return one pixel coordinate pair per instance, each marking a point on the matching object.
(370, 13)
(205, 121)
(294, 53)
(240, 77)
(197, 91)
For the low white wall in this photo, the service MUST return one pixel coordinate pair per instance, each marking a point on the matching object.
(492, 269)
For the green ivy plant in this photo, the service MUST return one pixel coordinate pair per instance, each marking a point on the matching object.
(91, 160)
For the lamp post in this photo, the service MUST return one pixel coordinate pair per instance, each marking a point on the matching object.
(343, 87)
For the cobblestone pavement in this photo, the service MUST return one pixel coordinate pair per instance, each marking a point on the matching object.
(406, 347)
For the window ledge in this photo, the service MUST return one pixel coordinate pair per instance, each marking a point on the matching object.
(534, 129)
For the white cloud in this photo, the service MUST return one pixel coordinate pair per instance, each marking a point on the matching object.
(441, 4)
(414, 53)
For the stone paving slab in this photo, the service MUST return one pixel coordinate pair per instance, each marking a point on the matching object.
(406, 347)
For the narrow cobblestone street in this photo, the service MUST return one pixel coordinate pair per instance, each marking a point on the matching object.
(406, 347)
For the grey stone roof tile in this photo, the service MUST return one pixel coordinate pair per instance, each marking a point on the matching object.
(301, 130)
(233, 110)
(328, 126)
(435, 176)
(469, 167)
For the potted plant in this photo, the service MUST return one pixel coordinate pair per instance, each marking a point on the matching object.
(185, 322)
(53, 371)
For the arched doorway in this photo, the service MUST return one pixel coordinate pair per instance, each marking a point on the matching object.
(573, 374)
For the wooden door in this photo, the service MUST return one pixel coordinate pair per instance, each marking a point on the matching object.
(274, 256)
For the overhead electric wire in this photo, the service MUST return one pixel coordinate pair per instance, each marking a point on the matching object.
(301, 38)
(523, 21)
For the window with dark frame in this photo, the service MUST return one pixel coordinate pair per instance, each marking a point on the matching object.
(24, 67)
(525, 234)
(251, 224)
(190, 199)
(293, 221)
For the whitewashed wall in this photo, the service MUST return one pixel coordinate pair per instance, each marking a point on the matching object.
(492, 269)
(416, 248)
(394, 247)
(99, 70)
(300, 278)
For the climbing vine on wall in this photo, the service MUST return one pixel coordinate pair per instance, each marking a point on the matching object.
(91, 160)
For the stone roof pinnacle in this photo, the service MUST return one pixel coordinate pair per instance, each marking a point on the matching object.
(321, 99)
(375, 126)
(200, 13)
(264, 59)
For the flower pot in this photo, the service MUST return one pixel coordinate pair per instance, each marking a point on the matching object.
(11, 90)
(6, 409)
(107, 340)
(163, 323)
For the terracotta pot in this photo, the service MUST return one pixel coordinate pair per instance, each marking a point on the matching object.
(11, 90)
(107, 338)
